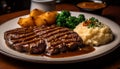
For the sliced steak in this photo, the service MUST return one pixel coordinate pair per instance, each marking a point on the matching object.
(49, 40)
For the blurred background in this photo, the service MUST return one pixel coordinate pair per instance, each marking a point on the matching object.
(9, 6)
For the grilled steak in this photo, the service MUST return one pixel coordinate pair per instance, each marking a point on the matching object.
(49, 40)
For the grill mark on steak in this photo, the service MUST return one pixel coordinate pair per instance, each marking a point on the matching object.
(16, 33)
(27, 35)
(45, 39)
(22, 35)
(25, 39)
(54, 32)
(63, 40)
(27, 42)
(50, 32)
(44, 31)
(32, 47)
(61, 35)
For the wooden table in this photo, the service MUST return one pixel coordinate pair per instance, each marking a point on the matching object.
(109, 61)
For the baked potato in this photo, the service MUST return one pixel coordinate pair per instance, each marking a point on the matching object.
(40, 21)
(36, 12)
(26, 22)
(46, 18)
(37, 18)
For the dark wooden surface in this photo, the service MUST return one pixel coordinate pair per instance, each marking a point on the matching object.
(109, 61)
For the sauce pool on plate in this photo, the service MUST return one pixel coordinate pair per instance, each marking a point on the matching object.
(81, 51)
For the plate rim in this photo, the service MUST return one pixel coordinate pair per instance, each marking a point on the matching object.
(58, 62)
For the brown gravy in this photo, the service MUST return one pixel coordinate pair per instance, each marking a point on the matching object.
(81, 51)
(84, 50)
(91, 5)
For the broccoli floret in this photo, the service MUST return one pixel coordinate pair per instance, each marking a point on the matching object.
(65, 19)
(71, 22)
(60, 21)
(81, 18)
(61, 17)
(65, 13)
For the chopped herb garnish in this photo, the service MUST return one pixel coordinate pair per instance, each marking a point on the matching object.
(92, 23)
(93, 19)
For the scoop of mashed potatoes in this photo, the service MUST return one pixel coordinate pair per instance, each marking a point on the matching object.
(94, 36)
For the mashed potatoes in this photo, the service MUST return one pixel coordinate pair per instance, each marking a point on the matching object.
(94, 36)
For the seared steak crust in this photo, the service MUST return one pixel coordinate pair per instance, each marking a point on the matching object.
(49, 40)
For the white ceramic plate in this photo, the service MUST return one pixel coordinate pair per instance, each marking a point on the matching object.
(100, 51)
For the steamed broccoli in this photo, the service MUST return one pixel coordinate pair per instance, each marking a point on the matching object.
(71, 22)
(65, 19)
(61, 17)
(81, 17)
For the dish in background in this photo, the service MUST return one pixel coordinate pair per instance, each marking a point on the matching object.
(93, 6)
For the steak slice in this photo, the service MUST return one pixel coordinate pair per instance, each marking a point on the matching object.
(49, 40)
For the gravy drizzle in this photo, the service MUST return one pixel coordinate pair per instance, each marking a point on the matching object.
(84, 50)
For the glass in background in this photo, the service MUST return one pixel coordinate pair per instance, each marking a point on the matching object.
(9, 6)
(46, 5)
